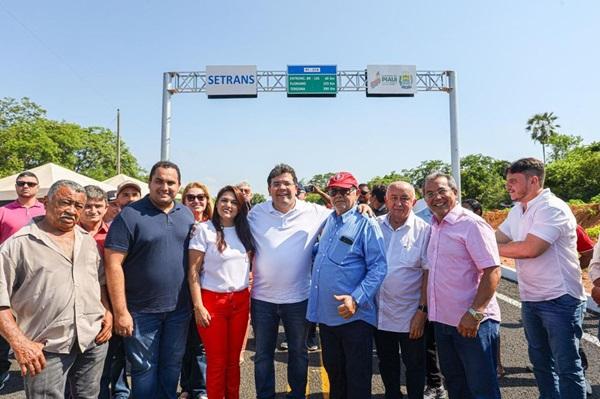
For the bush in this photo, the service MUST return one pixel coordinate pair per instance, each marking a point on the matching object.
(576, 202)
(593, 232)
(595, 199)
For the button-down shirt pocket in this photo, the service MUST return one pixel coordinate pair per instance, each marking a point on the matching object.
(338, 251)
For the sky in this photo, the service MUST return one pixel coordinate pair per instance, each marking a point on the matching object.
(83, 60)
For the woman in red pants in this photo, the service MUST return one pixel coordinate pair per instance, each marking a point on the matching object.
(220, 252)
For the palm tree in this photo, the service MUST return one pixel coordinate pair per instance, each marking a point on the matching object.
(542, 127)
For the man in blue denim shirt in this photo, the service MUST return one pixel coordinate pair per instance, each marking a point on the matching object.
(348, 270)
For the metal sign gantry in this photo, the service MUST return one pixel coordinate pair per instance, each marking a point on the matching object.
(276, 81)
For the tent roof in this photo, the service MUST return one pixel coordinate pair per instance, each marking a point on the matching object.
(47, 174)
(120, 178)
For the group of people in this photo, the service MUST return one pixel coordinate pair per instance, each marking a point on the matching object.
(171, 287)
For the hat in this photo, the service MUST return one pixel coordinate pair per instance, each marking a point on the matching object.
(111, 195)
(128, 183)
(342, 180)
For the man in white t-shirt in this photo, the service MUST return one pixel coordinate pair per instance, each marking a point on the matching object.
(284, 230)
(540, 233)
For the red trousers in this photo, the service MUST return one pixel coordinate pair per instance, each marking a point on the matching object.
(223, 340)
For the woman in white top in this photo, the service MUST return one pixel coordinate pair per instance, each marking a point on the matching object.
(220, 252)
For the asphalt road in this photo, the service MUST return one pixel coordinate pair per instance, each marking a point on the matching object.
(518, 383)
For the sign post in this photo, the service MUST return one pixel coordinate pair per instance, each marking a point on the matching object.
(311, 80)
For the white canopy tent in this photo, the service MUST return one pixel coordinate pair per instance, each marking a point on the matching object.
(47, 174)
(118, 179)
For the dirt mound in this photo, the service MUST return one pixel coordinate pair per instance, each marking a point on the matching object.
(587, 215)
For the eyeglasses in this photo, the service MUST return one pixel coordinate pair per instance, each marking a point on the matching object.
(344, 191)
(26, 183)
(199, 197)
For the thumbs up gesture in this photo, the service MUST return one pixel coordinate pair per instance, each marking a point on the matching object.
(348, 306)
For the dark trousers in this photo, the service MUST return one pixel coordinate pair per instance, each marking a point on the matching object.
(389, 344)
(347, 357)
(193, 366)
(434, 375)
(4, 362)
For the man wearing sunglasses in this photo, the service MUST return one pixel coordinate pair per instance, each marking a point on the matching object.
(349, 267)
(13, 216)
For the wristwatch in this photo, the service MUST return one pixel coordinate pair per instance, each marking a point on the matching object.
(476, 315)
(422, 308)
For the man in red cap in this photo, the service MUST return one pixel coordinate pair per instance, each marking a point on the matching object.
(349, 268)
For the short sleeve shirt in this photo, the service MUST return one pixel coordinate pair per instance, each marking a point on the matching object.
(55, 300)
(226, 271)
(461, 246)
(284, 249)
(406, 254)
(156, 244)
(13, 216)
(556, 272)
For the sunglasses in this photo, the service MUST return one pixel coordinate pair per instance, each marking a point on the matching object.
(26, 183)
(199, 197)
(364, 192)
(335, 191)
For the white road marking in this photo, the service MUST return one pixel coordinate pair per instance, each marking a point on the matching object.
(590, 338)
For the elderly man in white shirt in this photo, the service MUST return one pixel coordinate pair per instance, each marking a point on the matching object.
(540, 233)
(402, 298)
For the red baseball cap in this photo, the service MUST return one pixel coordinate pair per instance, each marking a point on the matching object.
(342, 180)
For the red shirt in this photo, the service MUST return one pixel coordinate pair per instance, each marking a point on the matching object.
(584, 242)
(13, 216)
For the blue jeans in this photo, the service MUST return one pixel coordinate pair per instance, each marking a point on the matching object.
(113, 384)
(469, 364)
(193, 368)
(553, 331)
(265, 322)
(155, 351)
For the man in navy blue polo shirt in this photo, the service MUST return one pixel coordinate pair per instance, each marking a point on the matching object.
(146, 263)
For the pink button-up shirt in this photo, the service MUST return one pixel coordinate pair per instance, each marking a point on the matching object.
(13, 216)
(460, 247)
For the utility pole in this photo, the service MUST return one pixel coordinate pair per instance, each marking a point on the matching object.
(118, 141)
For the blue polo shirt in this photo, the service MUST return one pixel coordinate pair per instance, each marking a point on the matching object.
(156, 244)
(351, 261)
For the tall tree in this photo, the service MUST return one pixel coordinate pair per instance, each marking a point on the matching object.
(482, 178)
(562, 144)
(542, 127)
(29, 139)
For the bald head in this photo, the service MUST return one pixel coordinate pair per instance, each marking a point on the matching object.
(399, 199)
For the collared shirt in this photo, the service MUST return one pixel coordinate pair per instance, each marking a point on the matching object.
(156, 244)
(13, 216)
(594, 268)
(55, 300)
(556, 272)
(406, 255)
(425, 214)
(461, 246)
(284, 249)
(226, 271)
(350, 261)
(100, 237)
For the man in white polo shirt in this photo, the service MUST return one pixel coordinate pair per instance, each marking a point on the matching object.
(402, 298)
(540, 233)
(285, 230)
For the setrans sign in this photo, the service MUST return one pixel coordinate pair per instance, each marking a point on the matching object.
(230, 81)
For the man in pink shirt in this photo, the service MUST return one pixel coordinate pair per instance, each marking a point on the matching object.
(13, 216)
(463, 274)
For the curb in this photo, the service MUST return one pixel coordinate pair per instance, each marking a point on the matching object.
(511, 275)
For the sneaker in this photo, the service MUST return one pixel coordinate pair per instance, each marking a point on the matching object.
(283, 346)
(588, 387)
(435, 393)
(4, 378)
(312, 344)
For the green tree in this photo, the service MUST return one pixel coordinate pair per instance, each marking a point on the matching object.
(319, 180)
(258, 198)
(577, 175)
(542, 127)
(562, 144)
(13, 111)
(482, 178)
(416, 176)
(387, 179)
(29, 139)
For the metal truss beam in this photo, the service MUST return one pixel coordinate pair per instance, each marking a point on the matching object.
(276, 81)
